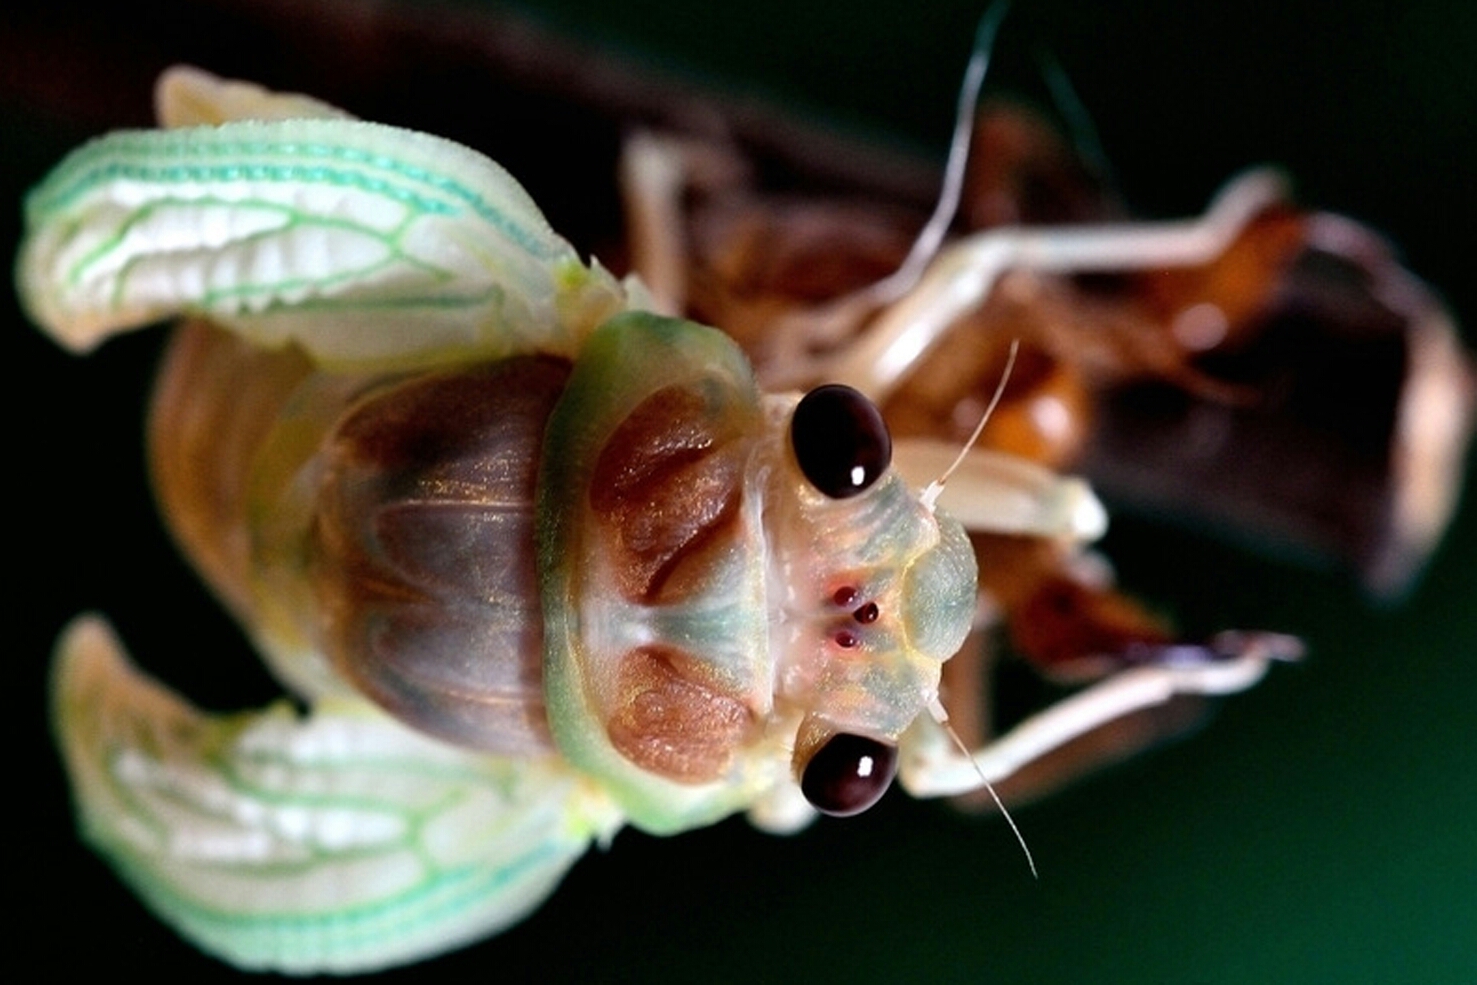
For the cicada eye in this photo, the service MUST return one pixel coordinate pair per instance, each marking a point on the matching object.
(848, 774)
(840, 440)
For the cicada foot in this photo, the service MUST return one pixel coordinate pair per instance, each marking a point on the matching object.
(338, 842)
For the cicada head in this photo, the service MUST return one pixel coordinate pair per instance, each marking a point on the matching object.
(871, 591)
(739, 593)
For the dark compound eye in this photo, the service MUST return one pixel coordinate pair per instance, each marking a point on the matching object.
(848, 774)
(840, 441)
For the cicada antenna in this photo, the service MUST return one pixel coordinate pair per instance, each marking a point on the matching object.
(941, 716)
(1078, 119)
(926, 246)
(813, 330)
(934, 489)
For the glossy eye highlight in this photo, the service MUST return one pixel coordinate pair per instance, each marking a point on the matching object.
(839, 440)
(848, 774)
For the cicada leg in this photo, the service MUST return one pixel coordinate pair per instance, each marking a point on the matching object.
(1061, 615)
(966, 272)
(873, 334)
(707, 245)
(1152, 697)
(654, 173)
(1004, 494)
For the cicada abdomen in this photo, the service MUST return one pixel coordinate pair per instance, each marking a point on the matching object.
(384, 522)
(422, 550)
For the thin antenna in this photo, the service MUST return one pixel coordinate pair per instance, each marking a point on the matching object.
(1085, 138)
(932, 235)
(930, 495)
(941, 716)
(807, 332)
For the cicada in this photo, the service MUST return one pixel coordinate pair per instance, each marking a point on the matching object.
(538, 559)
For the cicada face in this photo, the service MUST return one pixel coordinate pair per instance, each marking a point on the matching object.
(732, 584)
(872, 591)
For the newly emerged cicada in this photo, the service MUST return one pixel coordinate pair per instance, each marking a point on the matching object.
(540, 560)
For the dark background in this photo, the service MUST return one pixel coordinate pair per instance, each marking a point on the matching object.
(1320, 829)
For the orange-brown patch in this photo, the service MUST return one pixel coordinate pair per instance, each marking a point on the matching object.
(670, 724)
(666, 489)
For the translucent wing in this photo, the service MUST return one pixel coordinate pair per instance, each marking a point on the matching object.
(368, 245)
(340, 842)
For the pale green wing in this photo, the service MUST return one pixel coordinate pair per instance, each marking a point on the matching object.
(369, 245)
(339, 842)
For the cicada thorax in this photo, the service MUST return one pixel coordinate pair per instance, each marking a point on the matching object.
(658, 670)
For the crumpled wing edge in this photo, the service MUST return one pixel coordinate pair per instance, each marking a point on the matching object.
(339, 842)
